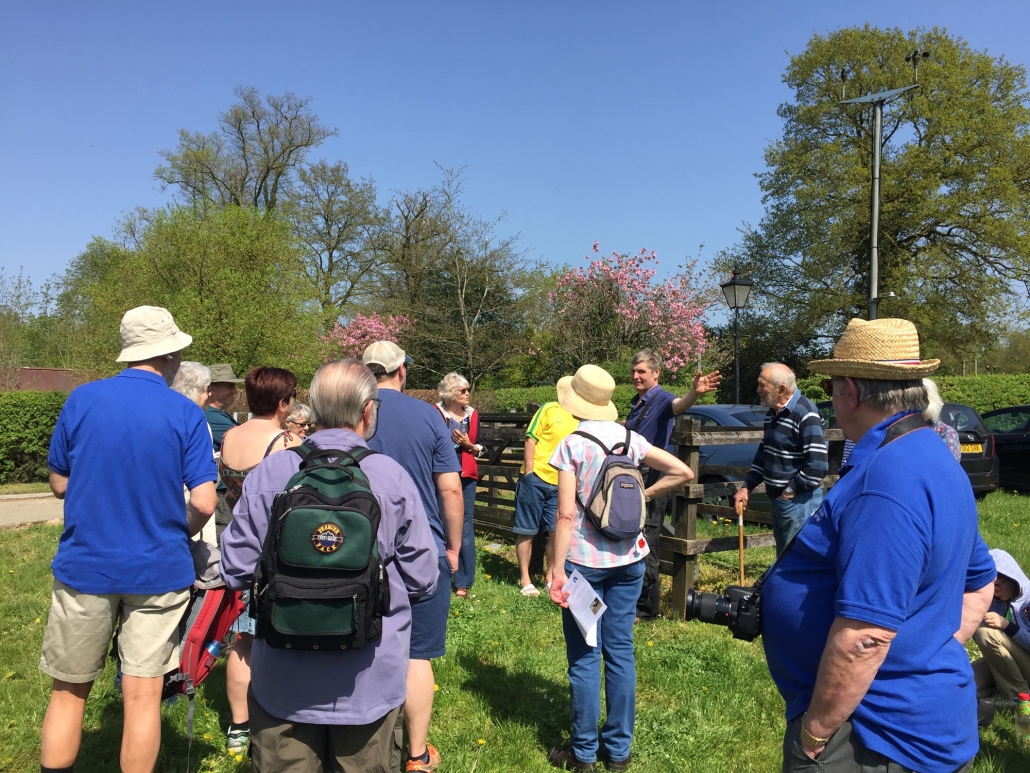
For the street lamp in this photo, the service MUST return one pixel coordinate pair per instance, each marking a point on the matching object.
(736, 291)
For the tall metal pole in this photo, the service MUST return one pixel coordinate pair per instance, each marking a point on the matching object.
(736, 355)
(874, 218)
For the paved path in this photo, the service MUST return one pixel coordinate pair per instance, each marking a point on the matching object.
(29, 508)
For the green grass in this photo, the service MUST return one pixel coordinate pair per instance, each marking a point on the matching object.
(24, 488)
(705, 701)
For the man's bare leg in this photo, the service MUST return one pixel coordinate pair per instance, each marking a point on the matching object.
(61, 735)
(237, 678)
(523, 552)
(418, 707)
(141, 734)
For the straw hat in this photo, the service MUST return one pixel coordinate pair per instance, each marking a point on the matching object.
(150, 331)
(588, 394)
(885, 349)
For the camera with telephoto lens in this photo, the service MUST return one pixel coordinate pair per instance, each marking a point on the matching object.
(740, 610)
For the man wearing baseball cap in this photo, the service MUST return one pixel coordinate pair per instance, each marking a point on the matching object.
(413, 434)
(866, 612)
(124, 553)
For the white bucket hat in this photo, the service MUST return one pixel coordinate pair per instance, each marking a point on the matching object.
(150, 331)
(588, 394)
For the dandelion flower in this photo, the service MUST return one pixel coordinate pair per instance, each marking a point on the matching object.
(481, 742)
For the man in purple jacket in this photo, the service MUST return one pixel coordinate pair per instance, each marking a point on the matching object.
(339, 710)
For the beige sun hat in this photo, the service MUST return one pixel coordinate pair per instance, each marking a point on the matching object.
(150, 331)
(886, 349)
(588, 394)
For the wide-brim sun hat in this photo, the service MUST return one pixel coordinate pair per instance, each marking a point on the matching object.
(222, 373)
(588, 394)
(884, 349)
(150, 331)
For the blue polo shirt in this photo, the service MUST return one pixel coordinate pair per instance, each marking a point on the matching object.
(894, 544)
(651, 415)
(127, 445)
(415, 435)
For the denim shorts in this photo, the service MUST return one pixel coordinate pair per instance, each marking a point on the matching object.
(429, 618)
(536, 504)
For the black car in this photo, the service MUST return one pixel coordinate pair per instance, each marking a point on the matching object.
(978, 457)
(724, 463)
(1010, 428)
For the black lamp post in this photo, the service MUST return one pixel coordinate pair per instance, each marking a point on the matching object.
(736, 291)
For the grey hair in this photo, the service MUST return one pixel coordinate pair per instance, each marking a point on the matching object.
(192, 381)
(890, 397)
(780, 375)
(449, 385)
(301, 413)
(649, 357)
(339, 392)
(933, 399)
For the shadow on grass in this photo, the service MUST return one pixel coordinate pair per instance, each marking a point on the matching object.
(499, 568)
(521, 697)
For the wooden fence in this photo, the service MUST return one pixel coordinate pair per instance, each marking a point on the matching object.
(503, 434)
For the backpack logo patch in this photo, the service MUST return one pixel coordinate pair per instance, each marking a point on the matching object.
(622, 484)
(327, 538)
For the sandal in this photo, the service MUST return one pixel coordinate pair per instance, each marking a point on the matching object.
(461, 593)
(530, 590)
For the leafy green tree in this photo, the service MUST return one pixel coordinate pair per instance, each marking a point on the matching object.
(954, 244)
(341, 230)
(227, 275)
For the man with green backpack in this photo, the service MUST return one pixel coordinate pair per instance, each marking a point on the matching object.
(333, 540)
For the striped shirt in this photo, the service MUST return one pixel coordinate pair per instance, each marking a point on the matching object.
(793, 451)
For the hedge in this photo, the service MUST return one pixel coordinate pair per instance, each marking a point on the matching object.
(27, 421)
(984, 393)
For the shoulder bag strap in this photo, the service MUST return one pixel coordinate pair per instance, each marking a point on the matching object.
(640, 419)
(588, 436)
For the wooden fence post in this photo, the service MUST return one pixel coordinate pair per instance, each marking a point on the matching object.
(685, 524)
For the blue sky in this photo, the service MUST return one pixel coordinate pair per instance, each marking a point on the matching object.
(635, 124)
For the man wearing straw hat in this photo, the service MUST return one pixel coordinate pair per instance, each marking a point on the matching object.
(125, 550)
(865, 615)
(614, 569)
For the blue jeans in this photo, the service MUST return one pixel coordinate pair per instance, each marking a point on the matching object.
(619, 588)
(789, 515)
(466, 574)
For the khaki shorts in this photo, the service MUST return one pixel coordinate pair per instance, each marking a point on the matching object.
(80, 627)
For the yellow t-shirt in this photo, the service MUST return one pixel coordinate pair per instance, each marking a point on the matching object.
(548, 427)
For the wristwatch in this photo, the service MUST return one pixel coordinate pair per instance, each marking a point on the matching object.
(807, 737)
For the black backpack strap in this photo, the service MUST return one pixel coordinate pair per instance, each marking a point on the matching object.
(624, 444)
(313, 456)
(588, 436)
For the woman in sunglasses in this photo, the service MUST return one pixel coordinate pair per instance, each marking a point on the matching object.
(300, 422)
(463, 421)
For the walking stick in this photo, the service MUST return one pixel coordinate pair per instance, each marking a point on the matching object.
(740, 537)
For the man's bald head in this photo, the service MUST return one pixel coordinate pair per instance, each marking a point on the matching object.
(776, 384)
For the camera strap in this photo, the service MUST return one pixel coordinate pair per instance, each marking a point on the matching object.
(898, 429)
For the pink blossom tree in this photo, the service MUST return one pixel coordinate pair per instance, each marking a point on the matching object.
(351, 340)
(614, 307)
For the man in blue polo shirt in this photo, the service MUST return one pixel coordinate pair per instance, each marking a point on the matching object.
(652, 413)
(124, 553)
(414, 435)
(866, 615)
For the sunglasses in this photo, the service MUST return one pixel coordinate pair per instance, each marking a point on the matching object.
(463, 391)
(827, 385)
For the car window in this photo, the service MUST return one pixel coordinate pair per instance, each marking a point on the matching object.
(750, 418)
(706, 421)
(1009, 420)
(962, 418)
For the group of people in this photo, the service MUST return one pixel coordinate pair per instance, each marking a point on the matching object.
(875, 590)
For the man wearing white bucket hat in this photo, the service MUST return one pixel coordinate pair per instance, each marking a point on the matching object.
(613, 567)
(124, 553)
(866, 613)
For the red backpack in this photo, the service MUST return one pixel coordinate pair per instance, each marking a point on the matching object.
(209, 616)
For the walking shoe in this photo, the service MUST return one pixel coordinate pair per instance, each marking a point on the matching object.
(984, 713)
(237, 740)
(620, 765)
(418, 766)
(563, 757)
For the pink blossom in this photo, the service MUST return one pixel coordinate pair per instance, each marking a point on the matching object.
(362, 330)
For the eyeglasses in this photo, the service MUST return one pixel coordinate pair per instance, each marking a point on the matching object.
(463, 391)
(304, 425)
(293, 394)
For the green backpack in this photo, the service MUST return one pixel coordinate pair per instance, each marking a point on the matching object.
(320, 583)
